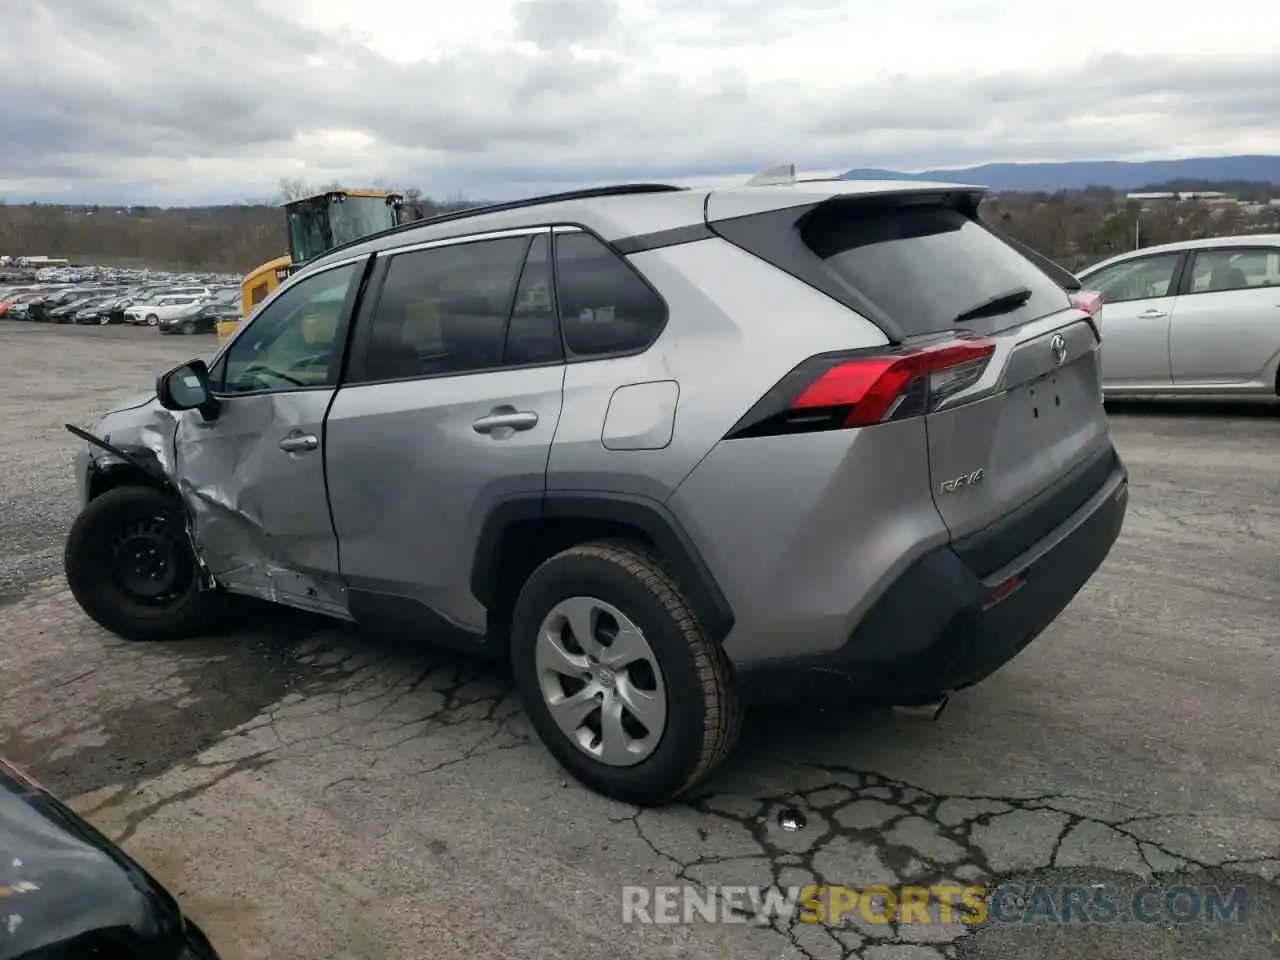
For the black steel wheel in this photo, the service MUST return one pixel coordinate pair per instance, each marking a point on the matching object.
(130, 566)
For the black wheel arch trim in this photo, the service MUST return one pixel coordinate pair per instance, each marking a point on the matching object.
(650, 517)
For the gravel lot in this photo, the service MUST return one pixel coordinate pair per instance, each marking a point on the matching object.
(310, 793)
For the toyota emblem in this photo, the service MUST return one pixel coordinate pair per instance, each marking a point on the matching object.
(1059, 347)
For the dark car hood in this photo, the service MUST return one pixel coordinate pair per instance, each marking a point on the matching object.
(65, 890)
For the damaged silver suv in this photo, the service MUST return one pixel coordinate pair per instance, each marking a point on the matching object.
(661, 449)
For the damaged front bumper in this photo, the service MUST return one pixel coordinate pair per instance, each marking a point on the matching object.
(150, 458)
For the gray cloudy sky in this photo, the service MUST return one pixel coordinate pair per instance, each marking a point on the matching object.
(175, 101)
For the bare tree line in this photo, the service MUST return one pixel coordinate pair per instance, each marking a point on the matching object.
(234, 237)
(1073, 227)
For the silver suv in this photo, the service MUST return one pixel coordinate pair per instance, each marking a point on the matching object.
(659, 448)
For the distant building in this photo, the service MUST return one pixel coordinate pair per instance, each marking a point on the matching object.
(1153, 201)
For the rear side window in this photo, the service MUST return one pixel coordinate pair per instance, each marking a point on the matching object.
(444, 310)
(605, 308)
(532, 335)
(1139, 279)
(1219, 271)
(923, 266)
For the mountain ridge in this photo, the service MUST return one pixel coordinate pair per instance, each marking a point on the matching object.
(1127, 175)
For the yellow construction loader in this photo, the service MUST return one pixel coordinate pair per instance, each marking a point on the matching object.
(317, 224)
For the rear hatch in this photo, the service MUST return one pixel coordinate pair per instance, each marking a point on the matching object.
(1003, 429)
(986, 346)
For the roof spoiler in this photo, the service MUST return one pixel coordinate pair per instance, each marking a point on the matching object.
(782, 175)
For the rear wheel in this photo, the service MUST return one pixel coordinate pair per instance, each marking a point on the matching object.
(623, 686)
(130, 566)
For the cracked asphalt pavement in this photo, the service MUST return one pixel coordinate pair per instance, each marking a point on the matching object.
(311, 793)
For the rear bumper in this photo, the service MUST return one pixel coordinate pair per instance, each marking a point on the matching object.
(940, 627)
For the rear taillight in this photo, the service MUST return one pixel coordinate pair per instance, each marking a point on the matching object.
(1090, 301)
(839, 391)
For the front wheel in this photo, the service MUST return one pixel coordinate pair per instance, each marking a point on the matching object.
(623, 686)
(130, 566)
(103, 321)
(188, 328)
(152, 319)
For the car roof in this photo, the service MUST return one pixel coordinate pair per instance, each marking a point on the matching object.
(628, 210)
(1178, 246)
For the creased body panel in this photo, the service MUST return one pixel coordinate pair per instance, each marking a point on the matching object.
(261, 514)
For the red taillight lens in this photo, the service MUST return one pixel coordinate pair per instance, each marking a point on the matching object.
(834, 392)
(1090, 301)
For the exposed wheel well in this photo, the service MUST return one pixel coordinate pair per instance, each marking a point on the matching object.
(124, 475)
(521, 533)
(526, 544)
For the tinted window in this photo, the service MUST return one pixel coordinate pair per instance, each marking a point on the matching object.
(444, 310)
(292, 342)
(922, 266)
(1138, 279)
(1234, 269)
(604, 305)
(532, 336)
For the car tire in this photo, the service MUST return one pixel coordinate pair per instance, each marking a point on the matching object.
(152, 319)
(188, 328)
(103, 321)
(114, 532)
(686, 671)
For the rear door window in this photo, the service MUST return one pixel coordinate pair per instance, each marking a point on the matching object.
(1139, 279)
(1219, 271)
(923, 266)
(444, 310)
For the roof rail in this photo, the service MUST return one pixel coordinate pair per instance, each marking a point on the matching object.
(616, 190)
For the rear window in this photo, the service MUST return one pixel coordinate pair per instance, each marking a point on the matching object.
(921, 266)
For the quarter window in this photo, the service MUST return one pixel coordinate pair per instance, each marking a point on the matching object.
(1138, 279)
(292, 342)
(444, 310)
(605, 308)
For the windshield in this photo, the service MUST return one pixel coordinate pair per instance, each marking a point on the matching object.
(317, 226)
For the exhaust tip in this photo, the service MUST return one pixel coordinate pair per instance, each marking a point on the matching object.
(931, 710)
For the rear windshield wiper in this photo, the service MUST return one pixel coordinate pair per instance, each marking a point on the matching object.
(1003, 302)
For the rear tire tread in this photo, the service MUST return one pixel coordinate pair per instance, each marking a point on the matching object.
(723, 710)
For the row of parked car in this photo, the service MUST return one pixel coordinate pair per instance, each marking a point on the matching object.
(170, 307)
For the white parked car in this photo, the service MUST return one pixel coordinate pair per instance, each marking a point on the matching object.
(1195, 317)
(152, 313)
